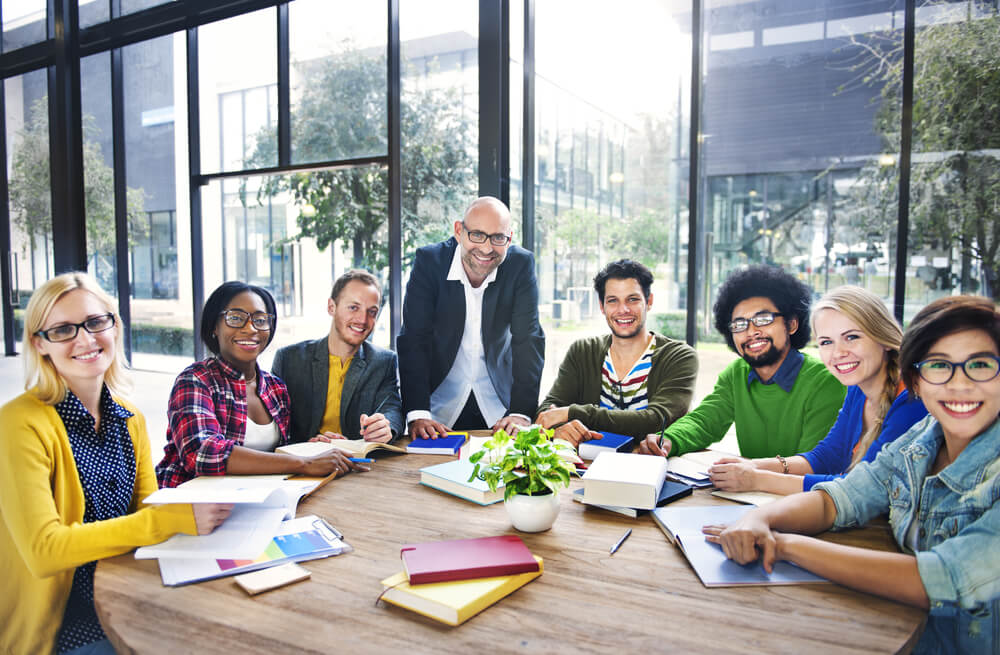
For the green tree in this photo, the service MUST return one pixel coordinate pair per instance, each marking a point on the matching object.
(955, 177)
(31, 189)
(341, 114)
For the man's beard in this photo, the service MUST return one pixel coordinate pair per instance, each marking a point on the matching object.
(766, 358)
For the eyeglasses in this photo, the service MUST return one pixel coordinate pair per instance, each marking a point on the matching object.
(760, 319)
(237, 318)
(477, 236)
(68, 331)
(980, 368)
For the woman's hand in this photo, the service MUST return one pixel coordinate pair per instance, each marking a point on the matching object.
(209, 516)
(336, 462)
(327, 437)
(734, 474)
(746, 540)
(376, 428)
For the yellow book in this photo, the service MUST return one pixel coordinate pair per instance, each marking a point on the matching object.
(353, 447)
(454, 602)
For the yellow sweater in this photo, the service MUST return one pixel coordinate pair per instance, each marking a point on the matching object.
(42, 535)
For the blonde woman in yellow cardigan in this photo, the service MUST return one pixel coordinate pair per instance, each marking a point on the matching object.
(74, 466)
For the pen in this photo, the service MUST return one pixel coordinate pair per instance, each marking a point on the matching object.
(619, 543)
(361, 460)
(377, 409)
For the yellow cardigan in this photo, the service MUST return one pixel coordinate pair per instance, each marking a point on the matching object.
(42, 535)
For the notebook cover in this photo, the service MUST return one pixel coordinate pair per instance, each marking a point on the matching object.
(461, 559)
(610, 441)
(449, 444)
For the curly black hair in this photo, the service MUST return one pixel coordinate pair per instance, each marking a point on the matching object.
(791, 296)
(623, 269)
(219, 300)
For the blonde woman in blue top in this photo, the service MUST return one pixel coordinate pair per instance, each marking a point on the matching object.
(858, 341)
(939, 483)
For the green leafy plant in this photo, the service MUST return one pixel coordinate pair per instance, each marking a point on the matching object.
(526, 463)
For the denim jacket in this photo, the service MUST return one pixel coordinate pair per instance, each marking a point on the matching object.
(958, 529)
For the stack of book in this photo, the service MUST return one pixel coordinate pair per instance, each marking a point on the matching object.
(451, 581)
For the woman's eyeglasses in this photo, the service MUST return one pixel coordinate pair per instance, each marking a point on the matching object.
(237, 318)
(981, 368)
(68, 331)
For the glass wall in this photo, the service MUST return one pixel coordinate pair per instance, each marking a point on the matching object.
(98, 169)
(24, 23)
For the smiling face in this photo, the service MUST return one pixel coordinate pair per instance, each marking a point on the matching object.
(87, 356)
(625, 307)
(767, 345)
(963, 408)
(481, 259)
(850, 354)
(354, 313)
(241, 346)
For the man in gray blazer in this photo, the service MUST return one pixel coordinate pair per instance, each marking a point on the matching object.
(341, 385)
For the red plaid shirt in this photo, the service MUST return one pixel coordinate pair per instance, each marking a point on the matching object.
(207, 416)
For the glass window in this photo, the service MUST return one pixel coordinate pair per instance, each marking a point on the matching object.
(611, 161)
(24, 23)
(93, 12)
(159, 216)
(955, 175)
(338, 79)
(238, 77)
(132, 6)
(794, 171)
(29, 192)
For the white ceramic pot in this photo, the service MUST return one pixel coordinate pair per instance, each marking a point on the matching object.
(532, 513)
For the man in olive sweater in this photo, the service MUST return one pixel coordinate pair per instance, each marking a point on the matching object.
(782, 401)
(632, 381)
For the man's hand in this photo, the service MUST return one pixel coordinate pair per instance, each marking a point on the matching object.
(376, 428)
(553, 416)
(510, 424)
(425, 428)
(653, 444)
(576, 432)
(327, 437)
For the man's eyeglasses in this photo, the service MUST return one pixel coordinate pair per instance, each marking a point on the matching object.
(760, 319)
(981, 368)
(68, 331)
(477, 236)
(237, 318)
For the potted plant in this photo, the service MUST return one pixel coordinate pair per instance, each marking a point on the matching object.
(529, 467)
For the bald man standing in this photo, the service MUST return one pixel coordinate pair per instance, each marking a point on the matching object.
(471, 348)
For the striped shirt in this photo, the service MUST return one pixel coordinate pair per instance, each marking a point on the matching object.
(629, 391)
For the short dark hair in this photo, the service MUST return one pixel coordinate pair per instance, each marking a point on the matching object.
(353, 274)
(217, 302)
(790, 296)
(941, 318)
(623, 269)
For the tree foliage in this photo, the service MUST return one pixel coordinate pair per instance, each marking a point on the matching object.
(342, 114)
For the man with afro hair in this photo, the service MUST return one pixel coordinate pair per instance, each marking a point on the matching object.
(781, 400)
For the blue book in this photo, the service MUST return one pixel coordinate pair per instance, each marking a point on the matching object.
(453, 478)
(447, 445)
(682, 525)
(609, 442)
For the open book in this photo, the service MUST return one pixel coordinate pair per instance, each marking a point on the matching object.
(353, 447)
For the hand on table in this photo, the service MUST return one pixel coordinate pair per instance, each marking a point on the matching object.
(425, 428)
(552, 416)
(376, 428)
(746, 540)
(510, 424)
(335, 462)
(209, 516)
(328, 437)
(653, 444)
(576, 433)
(734, 474)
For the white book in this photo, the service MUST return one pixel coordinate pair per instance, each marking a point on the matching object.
(624, 480)
(272, 491)
(244, 535)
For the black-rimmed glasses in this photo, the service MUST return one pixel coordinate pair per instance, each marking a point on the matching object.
(478, 236)
(68, 331)
(980, 368)
(760, 319)
(237, 318)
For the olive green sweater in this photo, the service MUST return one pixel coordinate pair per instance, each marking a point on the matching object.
(769, 420)
(672, 373)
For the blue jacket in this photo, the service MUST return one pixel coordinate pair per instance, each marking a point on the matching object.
(958, 529)
(831, 456)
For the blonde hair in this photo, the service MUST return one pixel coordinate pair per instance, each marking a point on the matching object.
(40, 376)
(869, 313)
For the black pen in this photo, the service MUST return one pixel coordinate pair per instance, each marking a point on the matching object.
(380, 406)
(619, 543)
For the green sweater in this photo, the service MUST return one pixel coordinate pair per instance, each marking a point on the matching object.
(672, 373)
(768, 420)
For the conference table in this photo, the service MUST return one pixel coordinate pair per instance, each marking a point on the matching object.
(645, 597)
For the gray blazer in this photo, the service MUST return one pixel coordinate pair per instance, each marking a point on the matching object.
(370, 380)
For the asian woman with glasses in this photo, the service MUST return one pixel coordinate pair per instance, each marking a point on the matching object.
(939, 484)
(858, 341)
(226, 415)
(75, 465)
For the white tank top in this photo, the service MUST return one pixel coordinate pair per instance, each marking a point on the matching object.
(261, 437)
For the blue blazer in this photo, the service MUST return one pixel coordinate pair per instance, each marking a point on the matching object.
(434, 320)
(370, 380)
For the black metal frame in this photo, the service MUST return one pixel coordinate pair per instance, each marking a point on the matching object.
(694, 159)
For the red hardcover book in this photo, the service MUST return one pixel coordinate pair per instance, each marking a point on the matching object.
(462, 559)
